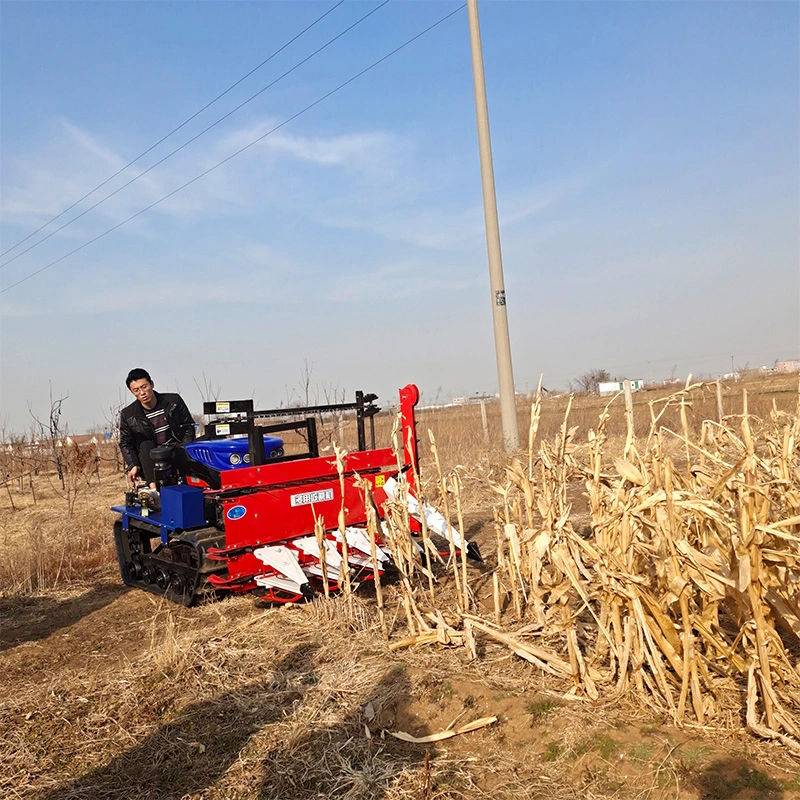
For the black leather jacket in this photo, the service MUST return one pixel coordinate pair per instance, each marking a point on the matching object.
(135, 428)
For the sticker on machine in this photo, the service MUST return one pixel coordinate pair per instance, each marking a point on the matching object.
(307, 498)
(237, 512)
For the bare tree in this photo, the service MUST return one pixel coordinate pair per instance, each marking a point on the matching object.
(208, 391)
(112, 425)
(72, 462)
(590, 381)
(301, 396)
(52, 432)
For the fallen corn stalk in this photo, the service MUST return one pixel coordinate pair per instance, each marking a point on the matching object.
(446, 734)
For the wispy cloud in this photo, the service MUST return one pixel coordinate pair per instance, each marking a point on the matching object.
(446, 226)
(400, 279)
(387, 176)
(42, 182)
(93, 146)
(178, 278)
(374, 153)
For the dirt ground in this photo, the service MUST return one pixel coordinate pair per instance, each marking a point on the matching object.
(113, 693)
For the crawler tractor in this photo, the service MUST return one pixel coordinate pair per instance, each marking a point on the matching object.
(233, 512)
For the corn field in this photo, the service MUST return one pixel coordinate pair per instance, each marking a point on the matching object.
(678, 589)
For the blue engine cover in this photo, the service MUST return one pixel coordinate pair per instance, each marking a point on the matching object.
(224, 454)
(182, 507)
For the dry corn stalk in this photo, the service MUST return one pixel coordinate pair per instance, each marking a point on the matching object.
(344, 567)
(684, 589)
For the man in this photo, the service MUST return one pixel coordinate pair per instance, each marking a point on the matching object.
(152, 420)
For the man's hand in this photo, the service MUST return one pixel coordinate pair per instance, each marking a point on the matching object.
(132, 473)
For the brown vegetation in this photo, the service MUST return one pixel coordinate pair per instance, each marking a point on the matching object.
(634, 618)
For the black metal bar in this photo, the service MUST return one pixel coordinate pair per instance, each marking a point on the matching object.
(255, 444)
(313, 444)
(211, 407)
(217, 407)
(221, 430)
(283, 426)
(219, 427)
(293, 457)
(279, 412)
(240, 426)
(289, 412)
(362, 441)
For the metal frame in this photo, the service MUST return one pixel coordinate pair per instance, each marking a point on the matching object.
(246, 416)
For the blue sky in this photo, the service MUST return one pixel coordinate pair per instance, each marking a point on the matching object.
(647, 165)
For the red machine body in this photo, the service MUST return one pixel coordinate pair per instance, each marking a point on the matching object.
(279, 502)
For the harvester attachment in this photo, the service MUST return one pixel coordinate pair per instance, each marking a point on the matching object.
(434, 521)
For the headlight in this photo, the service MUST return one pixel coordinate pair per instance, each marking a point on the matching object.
(246, 458)
(235, 459)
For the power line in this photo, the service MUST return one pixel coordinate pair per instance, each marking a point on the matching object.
(240, 151)
(174, 130)
(196, 136)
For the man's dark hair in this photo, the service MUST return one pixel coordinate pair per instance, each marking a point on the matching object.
(137, 375)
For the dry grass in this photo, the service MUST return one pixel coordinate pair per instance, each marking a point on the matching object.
(241, 705)
(228, 701)
(44, 547)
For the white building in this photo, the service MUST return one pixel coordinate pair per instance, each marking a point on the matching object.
(612, 387)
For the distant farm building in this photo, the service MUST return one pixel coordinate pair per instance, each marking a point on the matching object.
(612, 387)
(787, 366)
(468, 400)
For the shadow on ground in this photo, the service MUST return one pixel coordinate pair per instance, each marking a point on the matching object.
(355, 758)
(29, 619)
(736, 779)
(185, 756)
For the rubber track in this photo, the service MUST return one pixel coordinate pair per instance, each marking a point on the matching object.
(177, 571)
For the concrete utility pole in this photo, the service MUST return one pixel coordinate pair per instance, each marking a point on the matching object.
(502, 343)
